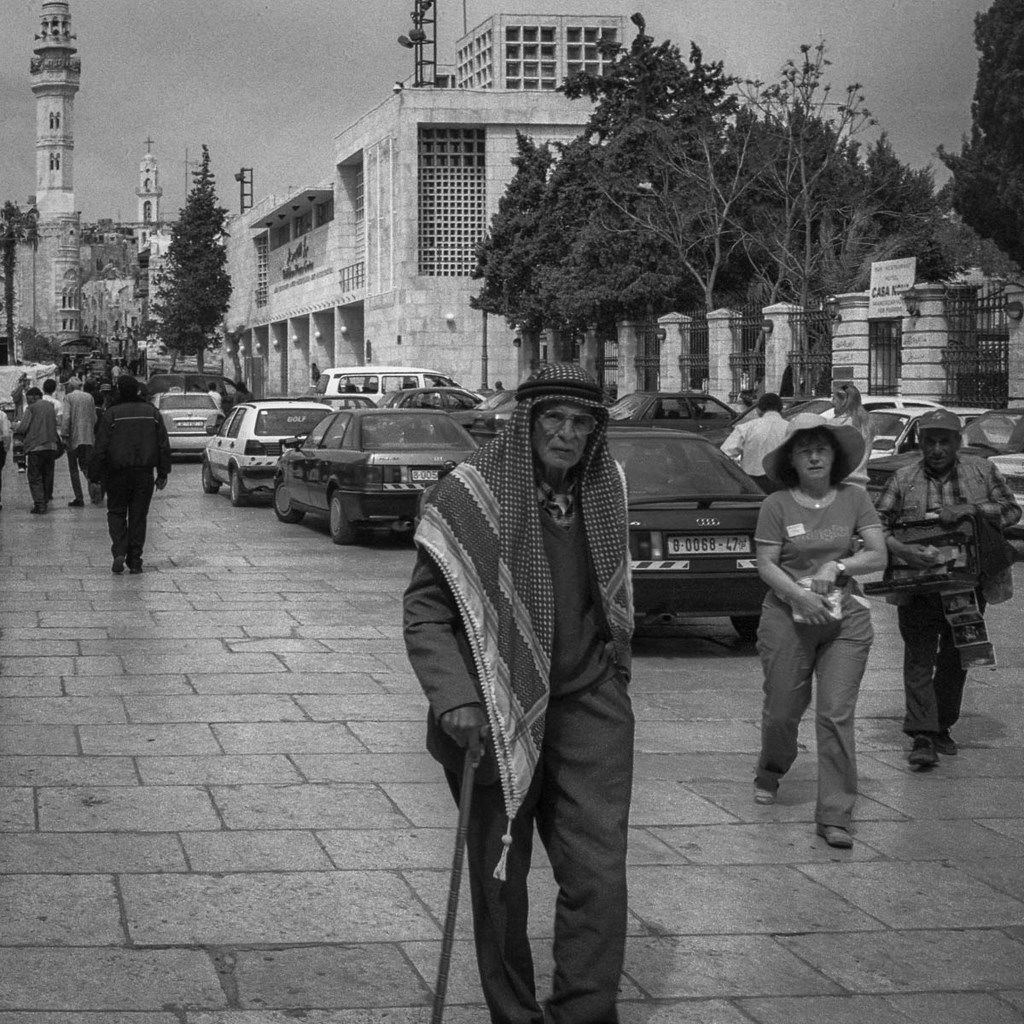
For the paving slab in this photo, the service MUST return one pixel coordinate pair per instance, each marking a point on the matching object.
(291, 682)
(937, 1009)
(60, 710)
(107, 979)
(355, 975)
(38, 739)
(148, 739)
(329, 805)
(284, 850)
(220, 708)
(59, 910)
(402, 767)
(88, 852)
(273, 908)
(218, 769)
(118, 686)
(126, 808)
(17, 810)
(28, 770)
(31, 686)
(939, 840)
(377, 707)
(287, 738)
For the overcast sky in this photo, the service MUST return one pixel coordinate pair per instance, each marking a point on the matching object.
(269, 83)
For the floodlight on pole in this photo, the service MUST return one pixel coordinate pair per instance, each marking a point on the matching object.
(422, 40)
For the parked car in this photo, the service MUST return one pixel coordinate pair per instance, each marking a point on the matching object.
(367, 468)
(692, 513)
(458, 403)
(185, 415)
(377, 381)
(231, 392)
(692, 411)
(491, 415)
(345, 401)
(245, 446)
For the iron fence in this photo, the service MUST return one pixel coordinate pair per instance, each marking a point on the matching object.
(977, 354)
(608, 366)
(694, 364)
(810, 359)
(885, 356)
(746, 362)
(648, 357)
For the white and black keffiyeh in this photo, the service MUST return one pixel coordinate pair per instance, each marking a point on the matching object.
(482, 528)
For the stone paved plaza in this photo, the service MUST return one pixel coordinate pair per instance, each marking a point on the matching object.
(216, 808)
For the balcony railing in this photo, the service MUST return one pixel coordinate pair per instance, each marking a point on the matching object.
(353, 276)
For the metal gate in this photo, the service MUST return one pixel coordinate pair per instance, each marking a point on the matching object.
(746, 361)
(608, 366)
(811, 356)
(694, 365)
(885, 356)
(648, 358)
(977, 354)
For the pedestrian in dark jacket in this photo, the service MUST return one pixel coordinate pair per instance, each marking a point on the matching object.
(38, 429)
(131, 442)
(517, 623)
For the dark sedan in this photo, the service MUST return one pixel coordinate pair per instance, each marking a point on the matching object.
(692, 514)
(691, 411)
(456, 402)
(492, 414)
(367, 468)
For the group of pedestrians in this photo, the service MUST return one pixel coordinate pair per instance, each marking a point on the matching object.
(116, 443)
(518, 620)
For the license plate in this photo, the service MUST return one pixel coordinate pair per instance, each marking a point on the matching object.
(424, 476)
(709, 544)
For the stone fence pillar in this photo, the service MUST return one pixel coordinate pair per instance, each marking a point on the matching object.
(719, 349)
(924, 340)
(629, 339)
(676, 344)
(1015, 300)
(778, 343)
(591, 352)
(850, 340)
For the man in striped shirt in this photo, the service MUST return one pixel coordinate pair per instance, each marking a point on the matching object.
(944, 485)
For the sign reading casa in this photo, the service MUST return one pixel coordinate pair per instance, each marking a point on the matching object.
(889, 280)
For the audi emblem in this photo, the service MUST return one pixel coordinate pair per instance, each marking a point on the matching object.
(709, 521)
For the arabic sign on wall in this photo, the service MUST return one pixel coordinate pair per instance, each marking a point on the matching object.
(297, 258)
(889, 280)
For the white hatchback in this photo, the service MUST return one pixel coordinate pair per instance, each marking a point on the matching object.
(244, 449)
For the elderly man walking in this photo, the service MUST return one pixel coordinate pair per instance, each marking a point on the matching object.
(517, 622)
(750, 442)
(131, 442)
(38, 429)
(79, 435)
(944, 485)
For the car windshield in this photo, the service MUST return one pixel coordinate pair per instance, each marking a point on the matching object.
(888, 424)
(405, 431)
(813, 405)
(499, 400)
(626, 407)
(677, 466)
(994, 431)
(289, 422)
(187, 402)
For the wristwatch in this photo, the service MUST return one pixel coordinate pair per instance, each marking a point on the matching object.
(840, 568)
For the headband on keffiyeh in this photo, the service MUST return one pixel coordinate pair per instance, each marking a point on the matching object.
(482, 528)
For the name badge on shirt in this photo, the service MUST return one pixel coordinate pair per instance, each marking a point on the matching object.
(796, 530)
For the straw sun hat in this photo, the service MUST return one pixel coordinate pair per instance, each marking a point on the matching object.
(851, 444)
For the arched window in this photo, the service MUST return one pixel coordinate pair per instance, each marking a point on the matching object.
(55, 161)
(147, 211)
(54, 119)
(145, 185)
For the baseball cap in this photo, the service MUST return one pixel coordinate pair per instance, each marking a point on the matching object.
(939, 419)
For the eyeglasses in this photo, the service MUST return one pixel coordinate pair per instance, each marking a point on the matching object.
(582, 423)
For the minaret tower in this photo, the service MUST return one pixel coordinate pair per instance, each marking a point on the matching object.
(149, 190)
(55, 74)
(55, 77)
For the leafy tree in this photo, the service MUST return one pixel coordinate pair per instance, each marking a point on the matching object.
(194, 288)
(987, 188)
(16, 225)
(36, 347)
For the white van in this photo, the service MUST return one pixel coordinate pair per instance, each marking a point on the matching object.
(377, 381)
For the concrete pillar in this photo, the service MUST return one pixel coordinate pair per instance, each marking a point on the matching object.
(850, 340)
(528, 352)
(349, 336)
(298, 355)
(924, 340)
(778, 343)
(321, 334)
(629, 340)
(720, 346)
(677, 335)
(277, 355)
(591, 352)
(1015, 294)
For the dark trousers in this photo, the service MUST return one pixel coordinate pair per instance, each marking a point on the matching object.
(78, 459)
(933, 678)
(3, 461)
(579, 800)
(129, 492)
(40, 476)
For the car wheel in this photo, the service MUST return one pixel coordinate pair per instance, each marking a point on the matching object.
(238, 495)
(342, 531)
(746, 626)
(210, 484)
(283, 504)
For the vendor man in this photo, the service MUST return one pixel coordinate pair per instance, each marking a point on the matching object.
(517, 623)
(946, 485)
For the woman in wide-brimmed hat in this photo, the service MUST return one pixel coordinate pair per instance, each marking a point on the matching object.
(815, 620)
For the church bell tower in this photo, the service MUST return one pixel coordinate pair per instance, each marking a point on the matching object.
(56, 72)
(149, 191)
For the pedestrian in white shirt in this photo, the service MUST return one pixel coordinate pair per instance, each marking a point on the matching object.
(750, 442)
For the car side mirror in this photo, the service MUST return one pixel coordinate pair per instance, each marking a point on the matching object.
(291, 443)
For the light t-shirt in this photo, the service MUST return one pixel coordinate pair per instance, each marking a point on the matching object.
(810, 537)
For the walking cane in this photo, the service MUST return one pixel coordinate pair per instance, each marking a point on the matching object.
(445, 963)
